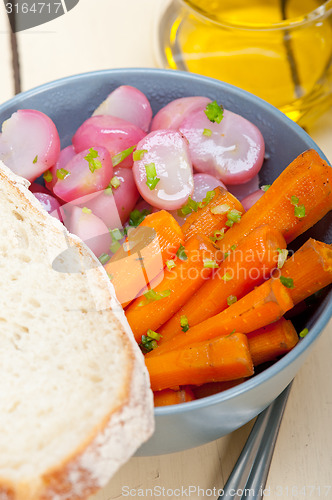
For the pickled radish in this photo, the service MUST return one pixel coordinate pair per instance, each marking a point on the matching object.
(232, 150)
(163, 174)
(65, 156)
(128, 103)
(87, 172)
(90, 229)
(251, 199)
(110, 132)
(29, 143)
(35, 187)
(50, 204)
(113, 205)
(172, 115)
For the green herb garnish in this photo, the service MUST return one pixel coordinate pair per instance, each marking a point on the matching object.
(119, 157)
(207, 132)
(86, 210)
(91, 158)
(208, 197)
(184, 323)
(138, 154)
(115, 246)
(190, 206)
(170, 264)
(103, 258)
(152, 296)
(232, 217)
(282, 257)
(265, 187)
(287, 282)
(299, 211)
(210, 264)
(304, 332)
(61, 174)
(148, 343)
(35, 159)
(227, 276)
(294, 200)
(151, 176)
(220, 209)
(115, 182)
(218, 235)
(181, 253)
(214, 112)
(48, 177)
(137, 216)
(231, 300)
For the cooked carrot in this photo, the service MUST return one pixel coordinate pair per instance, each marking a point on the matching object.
(178, 284)
(249, 264)
(264, 305)
(168, 397)
(272, 341)
(144, 254)
(298, 198)
(224, 358)
(309, 268)
(212, 216)
(210, 388)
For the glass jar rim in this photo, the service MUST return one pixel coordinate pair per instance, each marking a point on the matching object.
(319, 13)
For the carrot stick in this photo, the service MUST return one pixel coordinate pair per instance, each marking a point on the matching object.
(180, 282)
(310, 268)
(264, 305)
(224, 358)
(249, 264)
(142, 257)
(212, 216)
(272, 341)
(307, 180)
(168, 397)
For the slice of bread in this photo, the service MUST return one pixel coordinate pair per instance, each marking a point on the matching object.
(75, 401)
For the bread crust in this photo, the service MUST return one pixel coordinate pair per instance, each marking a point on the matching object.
(117, 437)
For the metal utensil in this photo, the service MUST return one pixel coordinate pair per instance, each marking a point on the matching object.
(248, 478)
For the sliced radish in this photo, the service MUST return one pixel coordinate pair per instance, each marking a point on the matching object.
(35, 187)
(90, 229)
(65, 156)
(232, 150)
(29, 143)
(83, 176)
(250, 200)
(172, 115)
(50, 204)
(126, 195)
(163, 174)
(128, 103)
(110, 132)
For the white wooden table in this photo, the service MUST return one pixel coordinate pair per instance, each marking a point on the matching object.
(111, 34)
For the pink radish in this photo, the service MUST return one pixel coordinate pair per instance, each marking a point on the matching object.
(90, 229)
(110, 132)
(232, 150)
(172, 115)
(65, 156)
(35, 187)
(50, 204)
(29, 143)
(87, 172)
(128, 103)
(163, 172)
(250, 200)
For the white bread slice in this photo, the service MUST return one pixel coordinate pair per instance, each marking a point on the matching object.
(75, 401)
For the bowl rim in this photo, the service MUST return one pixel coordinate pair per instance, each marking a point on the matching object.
(325, 315)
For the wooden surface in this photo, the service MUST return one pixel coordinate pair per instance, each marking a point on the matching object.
(108, 34)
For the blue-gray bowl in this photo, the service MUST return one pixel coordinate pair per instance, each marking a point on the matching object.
(69, 102)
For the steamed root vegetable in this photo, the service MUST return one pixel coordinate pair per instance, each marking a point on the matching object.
(90, 229)
(272, 341)
(246, 266)
(220, 359)
(162, 169)
(29, 143)
(50, 204)
(110, 132)
(50, 176)
(128, 103)
(251, 199)
(263, 305)
(194, 263)
(87, 172)
(170, 397)
(213, 214)
(142, 258)
(297, 199)
(172, 115)
(232, 150)
(308, 270)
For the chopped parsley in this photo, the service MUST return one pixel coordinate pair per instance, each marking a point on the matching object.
(119, 157)
(115, 182)
(210, 263)
(232, 217)
(304, 332)
(265, 187)
(208, 197)
(218, 235)
(138, 154)
(287, 282)
(181, 253)
(227, 276)
(220, 209)
(48, 177)
(231, 300)
(137, 216)
(214, 112)
(152, 296)
(86, 210)
(282, 257)
(294, 200)
(184, 323)
(299, 211)
(151, 176)
(188, 208)
(91, 158)
(207, 132)
(103, 258)
(170, 264)
(35, 159)
(61, 174)
(149, 341)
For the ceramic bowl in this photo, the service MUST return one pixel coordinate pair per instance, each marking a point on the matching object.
(69, 102)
